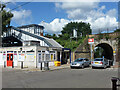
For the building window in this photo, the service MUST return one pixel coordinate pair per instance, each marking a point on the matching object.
(47, 57)
(52, 57)
(15, 51)
(39, 58)
(43, 56)
(31, 51)
(23, 51)
(19, 51)
(7, 57)
(39, 51)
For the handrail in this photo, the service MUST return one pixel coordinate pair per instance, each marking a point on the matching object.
(30, 34)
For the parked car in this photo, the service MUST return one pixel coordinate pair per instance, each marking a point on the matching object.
(80, 62)
(100, 62)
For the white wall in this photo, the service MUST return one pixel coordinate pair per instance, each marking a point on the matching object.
(1, 59)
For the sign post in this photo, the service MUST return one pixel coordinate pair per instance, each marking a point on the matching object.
(114, 53)
(91, 41)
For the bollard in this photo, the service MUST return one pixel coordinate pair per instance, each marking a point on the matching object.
(47, 65)
(4, 64)
(41, 66)
(12, 64)
(114, 85)
(21, 65)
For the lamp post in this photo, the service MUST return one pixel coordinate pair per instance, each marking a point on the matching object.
(21, 58)
(91, 41)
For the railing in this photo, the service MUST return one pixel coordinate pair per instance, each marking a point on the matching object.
(12, 33)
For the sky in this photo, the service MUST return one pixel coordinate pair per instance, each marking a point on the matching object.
(55, 15)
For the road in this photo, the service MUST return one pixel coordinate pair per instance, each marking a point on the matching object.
(64, 78)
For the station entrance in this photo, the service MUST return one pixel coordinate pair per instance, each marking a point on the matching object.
(9, 59)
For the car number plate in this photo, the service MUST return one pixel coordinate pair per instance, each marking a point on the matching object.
(96, 62)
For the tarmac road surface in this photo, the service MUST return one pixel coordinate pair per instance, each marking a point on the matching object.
(64, 78)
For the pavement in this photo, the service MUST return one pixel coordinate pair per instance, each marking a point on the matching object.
(51, 68)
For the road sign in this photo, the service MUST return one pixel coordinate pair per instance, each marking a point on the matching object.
(114, 52)
(90, 40)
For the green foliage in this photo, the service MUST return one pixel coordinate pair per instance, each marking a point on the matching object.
(6, 17)
(117, 30)
(103, 36)
(118, 39)
(70, 43)
(67, 32)
(48, 36)
(81, 27)
(107, 37)
(100, 36)
(98, 53)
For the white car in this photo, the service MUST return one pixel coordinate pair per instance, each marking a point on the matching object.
(80, 62)
(100, 62)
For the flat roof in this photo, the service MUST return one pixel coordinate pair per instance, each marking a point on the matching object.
(31, 25)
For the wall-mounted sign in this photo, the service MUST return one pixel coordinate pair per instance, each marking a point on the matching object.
(21, 57)
(114, 52)
(4, 57)
(91, 41)
(15, 56)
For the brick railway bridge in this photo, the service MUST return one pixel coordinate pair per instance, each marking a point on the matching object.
(110, 42)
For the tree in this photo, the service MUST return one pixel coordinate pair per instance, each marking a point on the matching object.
(81, 27)
(6, 17)
(117, 30)
(99, 52)
(54, 36)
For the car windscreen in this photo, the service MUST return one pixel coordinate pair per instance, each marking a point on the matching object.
(78, 60)
(98, 59)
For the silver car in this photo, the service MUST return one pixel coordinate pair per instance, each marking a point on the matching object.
(100, 62)
(80, 62)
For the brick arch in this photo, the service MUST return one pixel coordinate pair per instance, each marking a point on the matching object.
(110, 43)
(108, 49)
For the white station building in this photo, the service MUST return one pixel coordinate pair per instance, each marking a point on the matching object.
(28, 45)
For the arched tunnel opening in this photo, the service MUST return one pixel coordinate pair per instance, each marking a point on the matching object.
(103, 50)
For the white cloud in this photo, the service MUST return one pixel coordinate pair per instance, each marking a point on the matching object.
(6, 1)
(97, 25)
(55, 26)
(76, 5)
(22, 17)
(112, 13)
(89, 12)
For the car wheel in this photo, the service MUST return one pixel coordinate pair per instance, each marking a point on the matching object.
(82, 66)
(92, 67)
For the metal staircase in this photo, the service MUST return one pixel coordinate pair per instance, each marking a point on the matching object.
(10, 33)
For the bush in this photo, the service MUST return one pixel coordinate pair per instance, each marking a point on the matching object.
(107, 37)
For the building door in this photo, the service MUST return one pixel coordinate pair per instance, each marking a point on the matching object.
(9, 59)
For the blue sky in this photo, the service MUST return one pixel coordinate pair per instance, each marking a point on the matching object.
(41, 11)
(100, 15)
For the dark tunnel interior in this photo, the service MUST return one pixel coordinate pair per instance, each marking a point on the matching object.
(108, 51)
